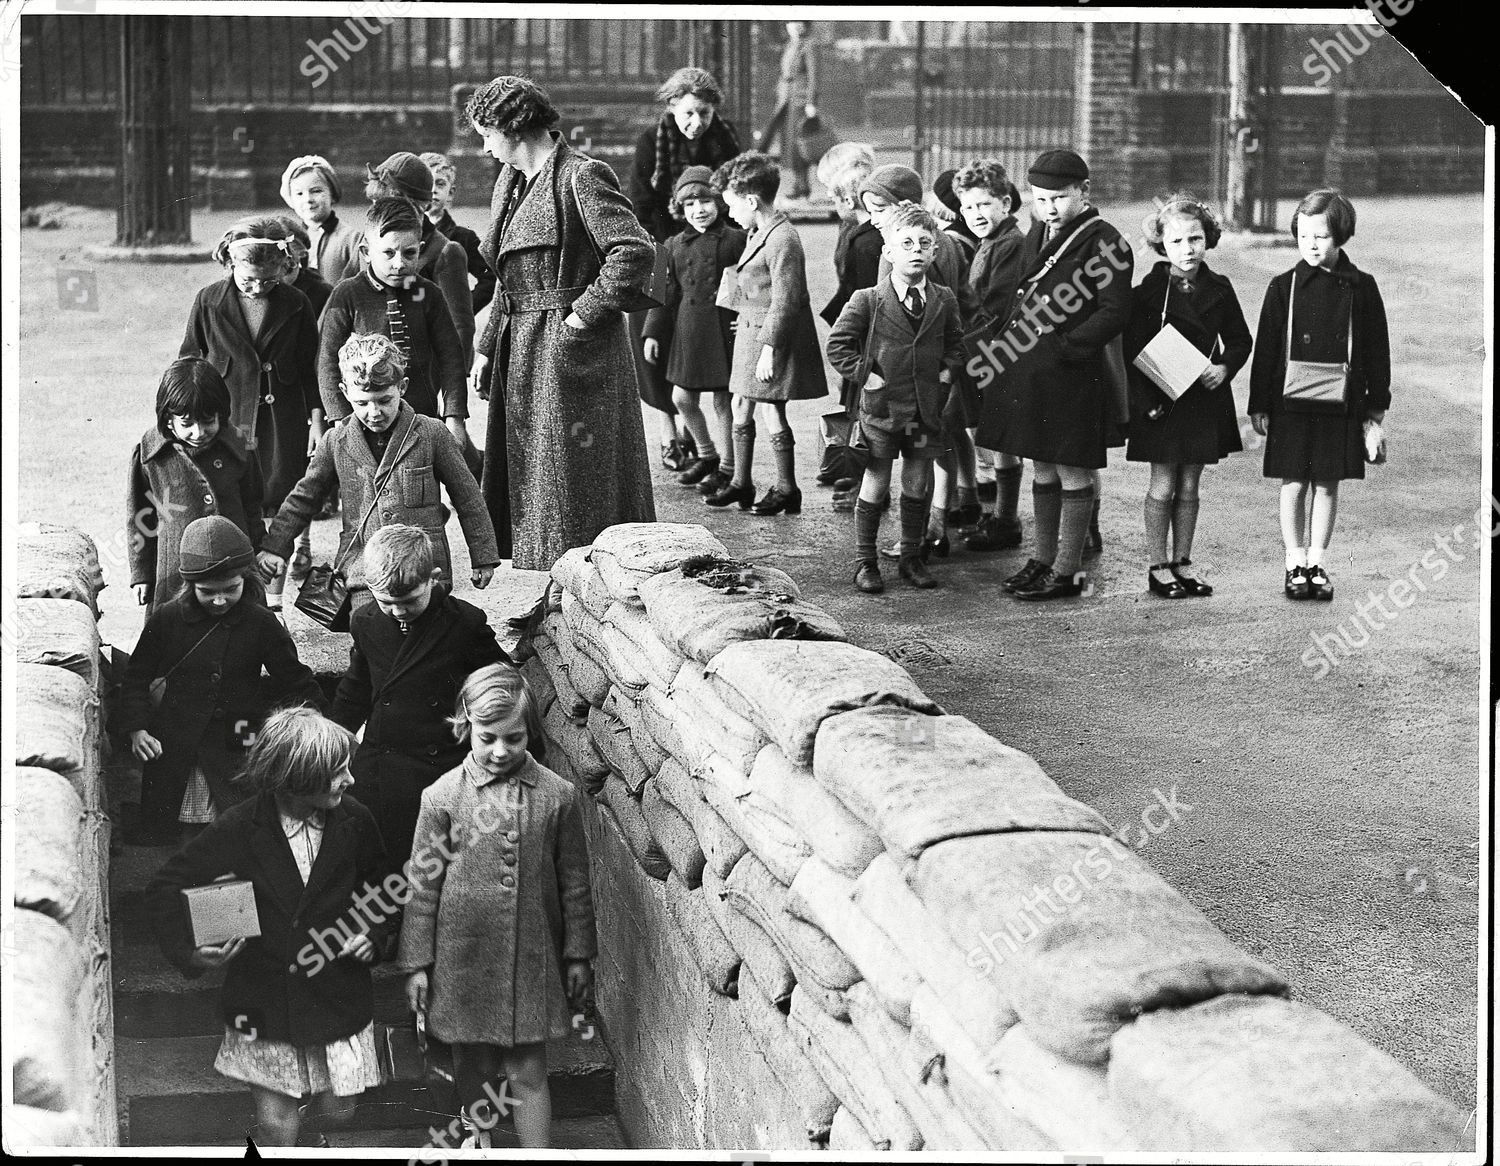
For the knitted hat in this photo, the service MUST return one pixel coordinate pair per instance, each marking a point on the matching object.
(310, 162)
(696, 182)
(407, 175)
(213, 546)
(894, 183)
(1056, 169)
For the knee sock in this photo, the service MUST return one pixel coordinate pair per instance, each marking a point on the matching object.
(1008, 493)
(913, 524)
(1046, 505)
(1184, 524)
(866, 529)
(1158, 519)
(1073, 528)
(744, 451)
(783, 445)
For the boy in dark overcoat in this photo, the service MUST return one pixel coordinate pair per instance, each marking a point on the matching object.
(210, 644)
(413, 647)
(1047, 390)
(901, 340)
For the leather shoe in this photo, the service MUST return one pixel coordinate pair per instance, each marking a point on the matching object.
(993, 535)
(1172, 589)
(1318, 586)
(714, 482)
(1050, 585)
(671, 456)
(697, 470)
(1025, 577)
(775, 501)
(915, 572)
(744, 495)
(868, 579)
(1194, 585)
(1296, 584)
(965, 515)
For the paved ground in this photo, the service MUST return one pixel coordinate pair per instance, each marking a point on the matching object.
(1335, 817)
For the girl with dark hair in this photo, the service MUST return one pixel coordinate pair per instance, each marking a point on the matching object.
(566, 453)
(191, 464)
(689, 132)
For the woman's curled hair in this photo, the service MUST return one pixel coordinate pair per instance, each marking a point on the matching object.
(517, 106)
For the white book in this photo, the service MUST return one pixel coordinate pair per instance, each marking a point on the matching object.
(1172, 362)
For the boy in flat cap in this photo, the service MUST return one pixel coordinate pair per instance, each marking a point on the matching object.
(192, 696)
(1047, 391)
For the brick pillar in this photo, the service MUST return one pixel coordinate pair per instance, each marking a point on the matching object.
(1352, 165)
(1104, 84)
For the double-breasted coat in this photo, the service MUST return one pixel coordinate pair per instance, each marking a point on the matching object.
(1202, 425)
(401, 688)
(213, 697)
(500, 899)
(1303, 444)
(171, 487)
(421, 455)
(284, 984)
(565, 455)
(774, 310)
(874, 333)
(444, 261)
(272, 377)
(697, 336)
(995, 272)
(1046, 388)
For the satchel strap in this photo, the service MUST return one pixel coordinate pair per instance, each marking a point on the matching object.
(1292, 299)
(380, 481)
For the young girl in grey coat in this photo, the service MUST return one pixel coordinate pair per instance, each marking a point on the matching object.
(499, 931)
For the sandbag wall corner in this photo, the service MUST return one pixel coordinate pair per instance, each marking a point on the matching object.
(60, 1026)
(820, 925)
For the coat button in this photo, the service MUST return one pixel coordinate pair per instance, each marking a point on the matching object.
(512, 836)
(1307, 338)
(508, 858)
(432, 751)
(507, 880)
(218, 463)
(266, 366)
(270, 398)
(386, 702)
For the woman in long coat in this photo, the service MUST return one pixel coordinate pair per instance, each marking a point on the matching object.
(565, 454)
(796, 101)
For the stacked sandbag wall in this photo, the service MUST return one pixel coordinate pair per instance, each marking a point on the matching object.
(833, 916)
(59, 1023)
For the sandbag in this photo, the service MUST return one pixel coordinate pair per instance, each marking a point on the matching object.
(1067, 1102)
(574, 705)
(50, 876)
(57, 727)
(57, 562)
(570, 568)
(48, 1030)
(613, 741)
(593, 592)
(788, 687)
(822, 896)
(1275, 1076)
(629, 552)
(815, 1102)
(835, 835)
(543, 692)
(847, 1136)
(758, 951)
(628, 632)
(818, 964)
(586, 677)
(630, 713)
(721, 846)
(705, 605)
(919, 781)
(61, 633)
(28, 1127)
(674, 834)
(576, 742)
(844, 1061)
(1111, 940)
(706, 724)
(884, 897)
(627, 814)
(773, 842)
(655, 711)
(587, 634)
(715, 957)
(556, 759)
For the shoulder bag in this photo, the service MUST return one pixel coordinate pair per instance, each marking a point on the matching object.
(1315, 386)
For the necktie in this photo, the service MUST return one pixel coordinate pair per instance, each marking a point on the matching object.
(914, 302)
(396, 322)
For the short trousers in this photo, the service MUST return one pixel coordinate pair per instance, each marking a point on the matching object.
(914, 441)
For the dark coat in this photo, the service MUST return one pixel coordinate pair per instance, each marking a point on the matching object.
(317, 289)
(1052, 399)
(430, 457)
(272, 379)
(402, 688)
(874, 334)
(856, 263)
(774, 310)
(653, 203)
(214, 696)
(336, 253)
(1203, 425)
(170, 488)
(484, 278)
(565, 455)
(444, 262)
(437, 375)
(1324, 300)
(995, 272)
(696, 336)
(285, 983)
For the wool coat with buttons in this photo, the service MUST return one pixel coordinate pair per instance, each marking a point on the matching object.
(401, 688)
(421, 456)
(500, 899)
(171, 487)
(774, 311)
(287, 984)
(696, 336)
(272, 377)
(214, 695)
